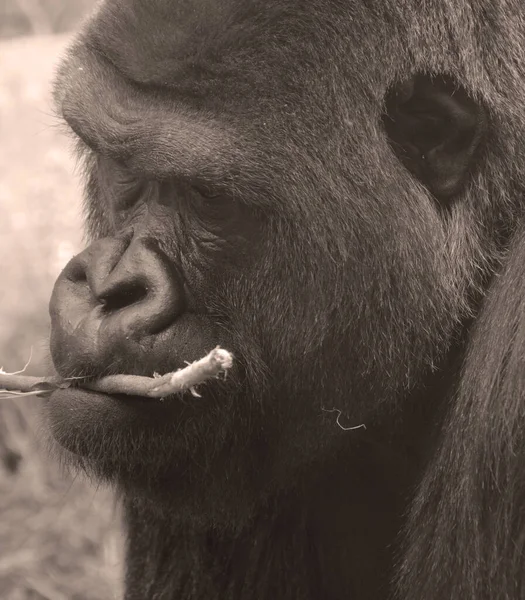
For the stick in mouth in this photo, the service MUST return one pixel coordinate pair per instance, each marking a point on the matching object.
(210, 366)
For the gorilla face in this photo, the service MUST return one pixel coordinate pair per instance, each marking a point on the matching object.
(280, 179)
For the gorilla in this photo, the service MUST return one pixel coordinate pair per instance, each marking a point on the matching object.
(332, 190)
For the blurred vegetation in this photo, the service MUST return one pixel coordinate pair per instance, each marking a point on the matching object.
(40, 17)
(59, 536)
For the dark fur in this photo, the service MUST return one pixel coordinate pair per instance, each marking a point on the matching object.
(347, 286)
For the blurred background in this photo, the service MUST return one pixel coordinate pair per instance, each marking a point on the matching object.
(59, 536)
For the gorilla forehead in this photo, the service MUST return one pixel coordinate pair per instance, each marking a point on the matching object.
(319, 58)
(163, 42)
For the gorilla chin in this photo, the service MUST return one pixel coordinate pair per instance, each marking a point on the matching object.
(166, 450)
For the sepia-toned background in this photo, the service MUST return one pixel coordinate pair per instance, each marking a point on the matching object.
(59, 536)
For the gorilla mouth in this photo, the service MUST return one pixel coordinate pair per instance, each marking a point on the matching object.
(124, 402)
(161, 386)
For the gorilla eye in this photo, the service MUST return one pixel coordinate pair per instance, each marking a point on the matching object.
(206, 192)
(122, 188)
(212, 205)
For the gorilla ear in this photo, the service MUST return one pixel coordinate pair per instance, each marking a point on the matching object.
(435, 129)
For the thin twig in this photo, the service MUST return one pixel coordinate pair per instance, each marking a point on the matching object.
(217, 361)
(25, 383)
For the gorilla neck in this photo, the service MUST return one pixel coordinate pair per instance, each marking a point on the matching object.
(329, 537)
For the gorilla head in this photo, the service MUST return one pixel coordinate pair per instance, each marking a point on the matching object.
(326, 189)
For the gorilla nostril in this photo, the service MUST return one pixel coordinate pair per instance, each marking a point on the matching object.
(77, 272)
(123, 297)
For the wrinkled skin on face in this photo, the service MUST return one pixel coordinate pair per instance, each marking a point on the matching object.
(325, 190)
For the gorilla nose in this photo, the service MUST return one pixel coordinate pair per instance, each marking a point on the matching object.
(110, 302)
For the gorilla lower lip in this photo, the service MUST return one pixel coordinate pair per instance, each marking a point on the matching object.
(116, 410)
(74, 411)
(128, 398)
